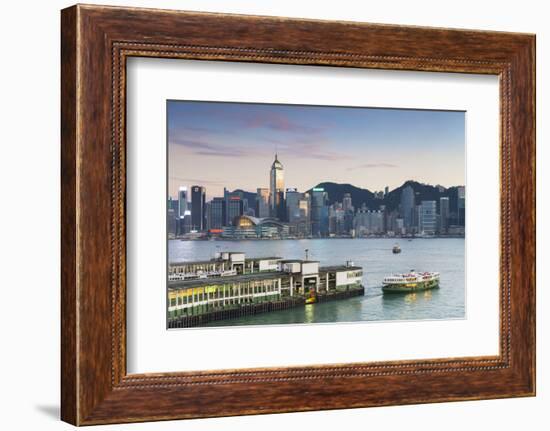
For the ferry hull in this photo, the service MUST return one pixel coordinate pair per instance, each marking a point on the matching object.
(411, 287)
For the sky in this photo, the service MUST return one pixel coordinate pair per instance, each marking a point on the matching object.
(216, 144)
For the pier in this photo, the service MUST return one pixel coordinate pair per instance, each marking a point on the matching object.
(231, 286)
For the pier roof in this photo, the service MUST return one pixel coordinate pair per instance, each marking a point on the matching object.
(265, 258)
(214, 260)
(193, 262)
(299, 261)
(338, 268)
(200, 282)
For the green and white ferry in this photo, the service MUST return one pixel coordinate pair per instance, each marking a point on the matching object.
(410, 282)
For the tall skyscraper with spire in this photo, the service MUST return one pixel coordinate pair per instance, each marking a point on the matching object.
(276, 189)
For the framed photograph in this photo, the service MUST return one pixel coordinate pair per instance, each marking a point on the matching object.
(265, 215)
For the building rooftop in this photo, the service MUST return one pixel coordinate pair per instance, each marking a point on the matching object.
(337, 268)
(213, 260)
(298, 260)
(194, 262)
(185, 284)
(265, 258)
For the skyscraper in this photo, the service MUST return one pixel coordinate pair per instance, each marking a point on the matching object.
(262, 203)
(319, 212)
(173, 204)
(182, 201)
(369, 222)
(216, 213)
(407, 206)
(461, 206)
(171, 223)
(347, 202)
(443, 214)
(292, 204)
(198, 203)
(298, 211)
(184, 223)
(234, 208)
(276, 188)
(428, 217)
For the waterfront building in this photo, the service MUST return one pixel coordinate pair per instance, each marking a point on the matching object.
(461, 204)
(171, 223)
(244, 227)
(293, 197)
(280, 211)
(347, 204)
(224, 263)
(298, 212)
(276, 189)
(400, 226)
(234, 208)
(172, 217)
(407, 206)
(230, 281)
(198, 204)
(184, 223)
(456, 230)
(368, 222)
(262, 203)
(319, 212)
(428, 218)
(173, 204)
(417, 219)
(443, 214)
(215, 213)
(336, 219)
(303, 224)
(182, 201)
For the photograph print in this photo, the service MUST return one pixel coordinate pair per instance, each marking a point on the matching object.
(301, 214)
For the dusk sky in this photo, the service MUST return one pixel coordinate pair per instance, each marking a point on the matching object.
(233, 145)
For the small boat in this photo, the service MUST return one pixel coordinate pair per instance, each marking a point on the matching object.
(312, 298)
(410, 282)
(396, 249)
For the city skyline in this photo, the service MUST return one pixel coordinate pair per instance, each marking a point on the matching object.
(219, 145)
(281, 212)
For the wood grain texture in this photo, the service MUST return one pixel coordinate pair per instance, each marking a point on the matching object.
(96, 41)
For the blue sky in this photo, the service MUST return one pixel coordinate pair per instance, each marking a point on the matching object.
(233, 144)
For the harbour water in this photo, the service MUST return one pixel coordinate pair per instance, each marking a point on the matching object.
(444, 255)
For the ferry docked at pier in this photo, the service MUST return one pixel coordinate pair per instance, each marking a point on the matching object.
(410, 282)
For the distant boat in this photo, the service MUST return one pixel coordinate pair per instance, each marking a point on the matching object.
(411, 282)
(396, 249)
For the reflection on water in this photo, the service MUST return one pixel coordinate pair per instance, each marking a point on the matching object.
(309, 314)
(374, 255)
(410, 297)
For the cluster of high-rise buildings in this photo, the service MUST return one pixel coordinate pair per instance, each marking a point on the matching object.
(430, 217)
(276, 212)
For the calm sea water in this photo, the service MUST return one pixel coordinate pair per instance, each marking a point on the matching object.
(445, 255)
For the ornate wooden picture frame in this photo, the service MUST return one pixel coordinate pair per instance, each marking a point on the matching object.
(96, 41)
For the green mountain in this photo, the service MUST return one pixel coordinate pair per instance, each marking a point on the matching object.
(336, 192)
(392, 200)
